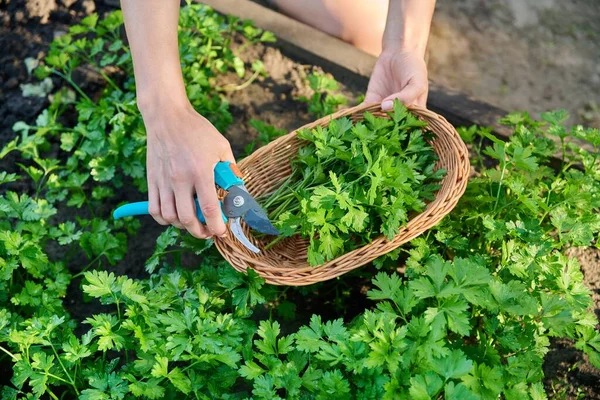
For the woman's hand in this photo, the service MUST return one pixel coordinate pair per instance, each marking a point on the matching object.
(183, 146)
(400, 72)
(398, 75)
(183, 149)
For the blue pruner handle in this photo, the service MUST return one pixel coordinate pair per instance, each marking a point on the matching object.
(131, 209)
(141, 208)
(227, 175)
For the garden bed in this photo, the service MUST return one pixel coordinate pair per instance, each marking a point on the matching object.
(272, 99)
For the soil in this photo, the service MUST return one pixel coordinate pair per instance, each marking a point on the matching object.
(532, 55)
(273, 99)
(26, 29)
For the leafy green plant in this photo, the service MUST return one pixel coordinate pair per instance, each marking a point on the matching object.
(352, 182)
(326, 97)
(266, 134)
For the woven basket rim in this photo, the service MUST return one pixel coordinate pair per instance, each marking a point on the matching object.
(448, 146)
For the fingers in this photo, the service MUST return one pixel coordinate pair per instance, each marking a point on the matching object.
(210, 205)
(177, 209)
(168, 209)
(175, 177)
(154, 204)
(186, 212)
(413, 93)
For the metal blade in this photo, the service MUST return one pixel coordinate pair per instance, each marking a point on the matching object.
(258, 220)
(237, 231)
(239, 203)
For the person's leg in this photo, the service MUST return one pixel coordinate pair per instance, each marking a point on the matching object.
(359, 22)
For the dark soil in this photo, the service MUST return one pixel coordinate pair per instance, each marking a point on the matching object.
(27, 32)
(26, 29)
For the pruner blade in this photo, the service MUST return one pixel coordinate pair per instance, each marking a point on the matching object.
(239, 204)
(258, 220)
(236, 229)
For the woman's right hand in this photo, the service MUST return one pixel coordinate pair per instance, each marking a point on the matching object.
(183, 149)
(183, 146)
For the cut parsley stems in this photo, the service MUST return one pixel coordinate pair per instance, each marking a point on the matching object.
(352, 182)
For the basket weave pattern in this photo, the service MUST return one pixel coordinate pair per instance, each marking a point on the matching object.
(286, 262)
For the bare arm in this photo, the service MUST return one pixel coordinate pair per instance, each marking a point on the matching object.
(183, 146)
(401, 72)
(152, 33)
(407, 25)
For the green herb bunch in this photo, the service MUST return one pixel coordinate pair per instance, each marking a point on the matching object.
(352, 182)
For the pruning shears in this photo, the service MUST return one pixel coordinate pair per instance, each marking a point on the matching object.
(238, 204)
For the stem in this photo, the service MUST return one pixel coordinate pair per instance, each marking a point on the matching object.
(283, 208)
(51, 394)
(9, 353)
(240, 49)
(64, 369)
(40, 184)
(273, 196)
(118, 306)
(478, 151)
(89, 205)
(98, 69)
(500, 184)
(170, 251)
(162, 253)
(209, 48)
(191, 365)
(274, 242)
(108, 79)
(563, 146)
(58, 378)
(75, 374)
(52, 128)
(73, 84)
(87, 266)
(245, 84)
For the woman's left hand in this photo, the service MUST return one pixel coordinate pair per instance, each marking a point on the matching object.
(398, 75)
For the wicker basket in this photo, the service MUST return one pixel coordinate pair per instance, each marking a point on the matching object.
(286, 263)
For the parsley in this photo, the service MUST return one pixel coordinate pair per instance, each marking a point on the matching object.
(354, 181)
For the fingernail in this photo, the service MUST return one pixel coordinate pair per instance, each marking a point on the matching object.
(387, 105)
(223, 236)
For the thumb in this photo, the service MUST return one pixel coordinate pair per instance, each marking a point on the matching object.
(408, 95)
